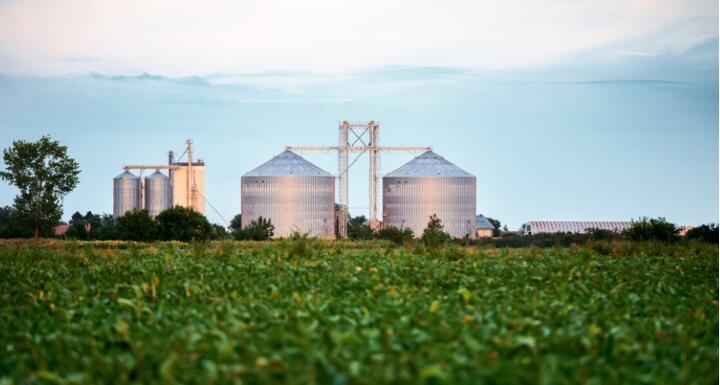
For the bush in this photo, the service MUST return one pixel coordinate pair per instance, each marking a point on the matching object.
(651, 229)
(396, 235)
(260, 229)
(707, 233)
(358, 229)
(219, 232)
(137, 225)
(183, 224)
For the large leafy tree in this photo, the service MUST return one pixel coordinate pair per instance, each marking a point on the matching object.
(183, 224)
(44, 174)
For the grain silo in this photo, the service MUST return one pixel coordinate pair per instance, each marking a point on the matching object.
(157, 193)
(429, 185)
(293, 193)
(126, 193)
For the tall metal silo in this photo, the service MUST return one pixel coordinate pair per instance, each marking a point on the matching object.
(157, 193)
(126, 193)
(429, 185)
(293, 193)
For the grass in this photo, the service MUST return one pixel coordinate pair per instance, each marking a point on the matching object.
(309, 311)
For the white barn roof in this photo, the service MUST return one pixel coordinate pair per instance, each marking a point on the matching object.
(537, 227)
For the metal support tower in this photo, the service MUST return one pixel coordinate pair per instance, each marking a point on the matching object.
(357, 138)
(190, 196)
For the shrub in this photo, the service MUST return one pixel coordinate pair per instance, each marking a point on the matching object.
(646, 229)
(396, 235)
(359, 229)
(707, 233)
(260, 229)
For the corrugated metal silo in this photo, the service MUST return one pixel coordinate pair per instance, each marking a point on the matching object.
(293, 193)
(126, 193)
(429, 185)
(157, 193)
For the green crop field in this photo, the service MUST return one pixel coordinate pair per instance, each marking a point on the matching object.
(305, 311)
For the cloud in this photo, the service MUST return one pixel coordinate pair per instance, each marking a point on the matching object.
(191, 80)
(182, 38)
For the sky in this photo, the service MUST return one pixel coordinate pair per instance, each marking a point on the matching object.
(563, 110)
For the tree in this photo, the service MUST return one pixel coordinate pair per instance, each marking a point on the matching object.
(359, 229)
(707, 233)
(10, 226)
(44, 174)
(219, 232)
(496, 224)
(236, 222)
(137, 225)
(6, 214)
(78, 230)
(93, 219)
(258, 230)
(107, 228)
(433, 235)
(646, 229)
(78, 227)
(183, 224)
(396, 235)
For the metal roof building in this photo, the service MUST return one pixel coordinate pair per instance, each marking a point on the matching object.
(481, 222)
(427, 185)
(483, 227)
(293, 193)
(539, 227)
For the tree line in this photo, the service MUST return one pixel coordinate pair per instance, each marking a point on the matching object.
(643, 229)
(44, 174)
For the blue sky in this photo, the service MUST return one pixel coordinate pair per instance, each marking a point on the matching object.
(615, 122)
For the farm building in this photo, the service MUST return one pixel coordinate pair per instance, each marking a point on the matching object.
(427, 185)
(580, 227)
(483, 227)
(293, 193)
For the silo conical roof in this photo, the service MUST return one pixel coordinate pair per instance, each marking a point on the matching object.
(429, 164)
(287, 163)
(127, 175)
(156, 175)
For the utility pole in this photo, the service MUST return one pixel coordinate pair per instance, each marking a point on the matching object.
(357, 138)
